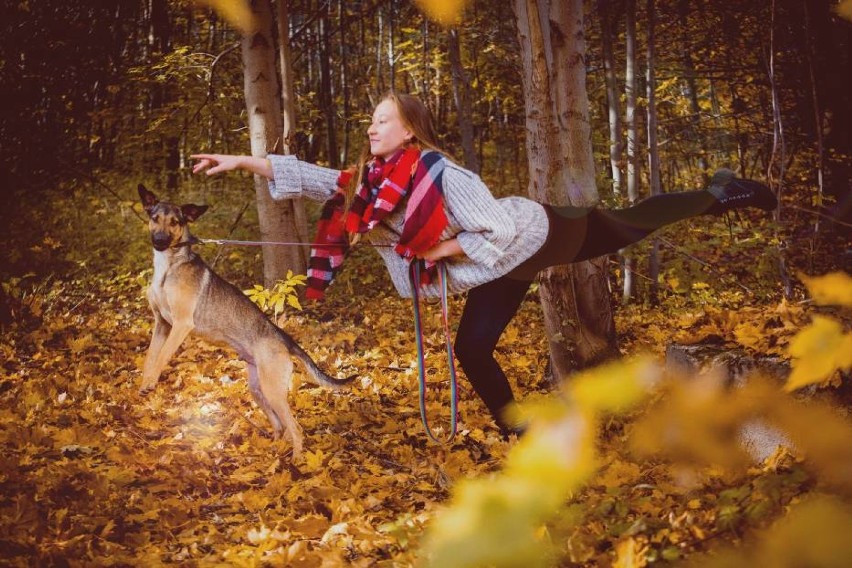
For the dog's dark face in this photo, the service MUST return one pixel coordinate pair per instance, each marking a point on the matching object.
(167, 223)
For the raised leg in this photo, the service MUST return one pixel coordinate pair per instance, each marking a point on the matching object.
(179, 331)
(578, 233)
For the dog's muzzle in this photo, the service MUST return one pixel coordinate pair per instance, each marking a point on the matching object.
(161, 241)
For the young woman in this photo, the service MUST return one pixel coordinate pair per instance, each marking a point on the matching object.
(404, 192)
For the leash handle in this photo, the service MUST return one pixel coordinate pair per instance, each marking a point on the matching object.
(414, 278)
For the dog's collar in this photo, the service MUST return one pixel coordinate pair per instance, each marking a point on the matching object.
(188, 243)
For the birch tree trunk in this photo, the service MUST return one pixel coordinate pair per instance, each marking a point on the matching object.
(575, 299)
(277, 218)
(288, 116)
(630, 96)
(613, 99)
(630, 125)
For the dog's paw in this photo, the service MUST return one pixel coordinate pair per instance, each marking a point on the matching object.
(147, 387)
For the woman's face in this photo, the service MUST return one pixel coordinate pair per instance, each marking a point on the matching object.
(387, 133)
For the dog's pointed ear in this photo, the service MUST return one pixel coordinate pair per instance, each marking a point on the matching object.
(148, 198)
(192, 212)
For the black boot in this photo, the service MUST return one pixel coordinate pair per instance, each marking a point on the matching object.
(507, 430)
(732, 192)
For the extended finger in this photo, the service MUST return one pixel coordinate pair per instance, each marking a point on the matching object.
(202, 165)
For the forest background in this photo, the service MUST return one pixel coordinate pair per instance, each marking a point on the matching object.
(98, 97)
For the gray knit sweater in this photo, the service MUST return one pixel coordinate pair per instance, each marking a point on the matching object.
(496, 235)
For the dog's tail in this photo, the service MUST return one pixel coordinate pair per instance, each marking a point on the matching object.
(314, 372)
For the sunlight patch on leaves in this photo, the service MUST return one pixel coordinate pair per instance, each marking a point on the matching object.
(445, 12)
(236, 12)
(844, 9)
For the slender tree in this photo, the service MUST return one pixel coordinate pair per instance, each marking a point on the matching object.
(288, 114)
(605, 13)
(277, 218)
(461, 96)
(777, 168)
(689, 78)
(577, 310)
(653, 152)
(326, 95)
(630, 124)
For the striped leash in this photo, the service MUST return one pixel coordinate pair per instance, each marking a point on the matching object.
(414, 278)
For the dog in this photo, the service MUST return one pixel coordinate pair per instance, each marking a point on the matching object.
(187, 296)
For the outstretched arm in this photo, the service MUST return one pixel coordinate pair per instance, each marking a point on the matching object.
(218, 163)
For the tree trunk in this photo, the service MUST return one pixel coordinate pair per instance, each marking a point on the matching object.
(392, 45)
(277, 218)
(325, 91)
(575, 299)
(809, 53)
(832, 43)
(692, 90)
(461, 95)
(380, 35)
(288, 116)
(776, 171)
(613, 100)
(344, 81)
(653, 154)
(630, 123)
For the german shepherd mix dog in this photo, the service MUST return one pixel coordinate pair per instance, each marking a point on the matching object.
(186, 295)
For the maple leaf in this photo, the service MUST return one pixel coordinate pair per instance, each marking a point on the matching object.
(819, 351)
(831, 289)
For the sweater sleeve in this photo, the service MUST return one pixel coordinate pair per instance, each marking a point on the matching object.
(292, 178)
(487, 228)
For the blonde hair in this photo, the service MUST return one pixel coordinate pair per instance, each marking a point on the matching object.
(416, 118)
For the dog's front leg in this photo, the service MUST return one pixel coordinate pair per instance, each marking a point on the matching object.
(162, 328)
(180, 329)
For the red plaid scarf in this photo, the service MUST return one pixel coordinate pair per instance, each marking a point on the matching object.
(383, 186)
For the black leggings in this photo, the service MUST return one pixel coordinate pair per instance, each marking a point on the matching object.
(575, 234)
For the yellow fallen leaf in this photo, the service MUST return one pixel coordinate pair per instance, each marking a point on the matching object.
(818, 351)
(750, 334)
(832, 289)
(314, 460)
(631, 554)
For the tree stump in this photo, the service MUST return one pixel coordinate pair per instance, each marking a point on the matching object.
(758, 438)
